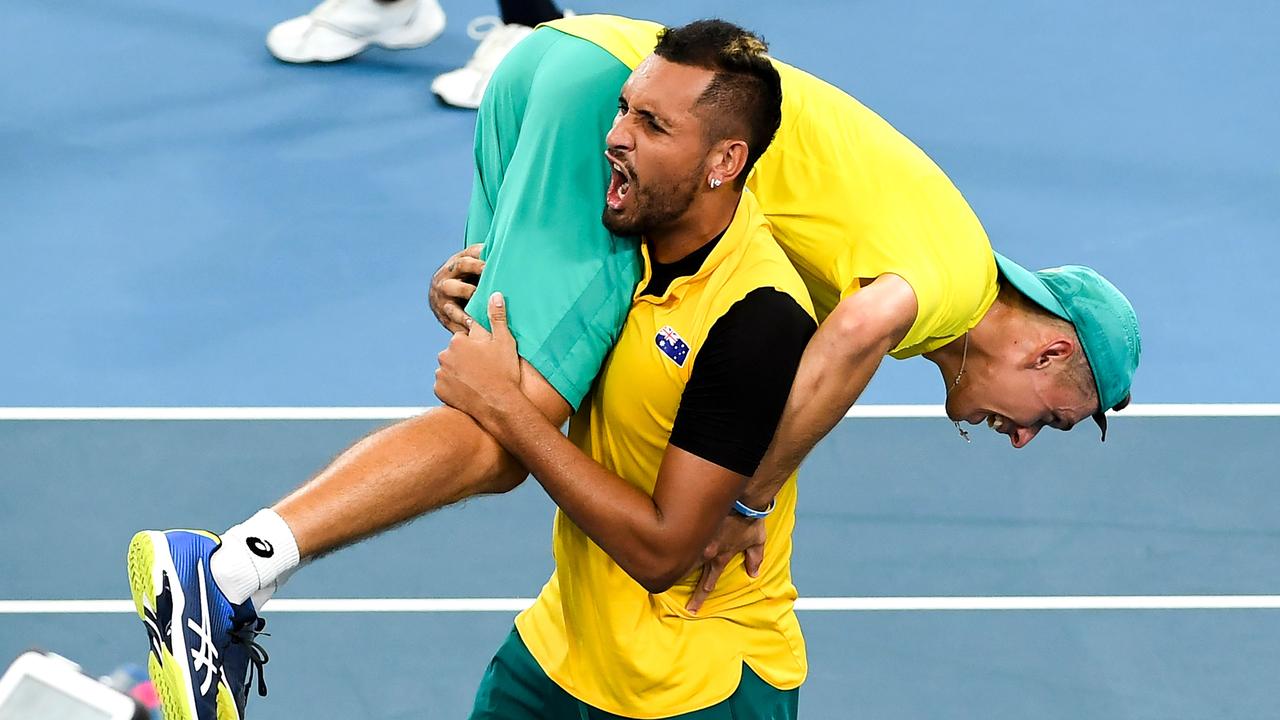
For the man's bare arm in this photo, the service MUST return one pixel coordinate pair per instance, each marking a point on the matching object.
(654, 539)
(657, 539)
(837, 365)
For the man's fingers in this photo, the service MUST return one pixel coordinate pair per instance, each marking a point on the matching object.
(752, 559)
(498, 319)
(458, 320)
(497, 310)
(706, 583)
(457, 289)
(467, 262)
(713, 572)
(466, 266)
(456, 314)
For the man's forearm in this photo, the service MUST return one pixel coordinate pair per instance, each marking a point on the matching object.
(827, 383)
(836, 367)
(655, 539)
(625, 522)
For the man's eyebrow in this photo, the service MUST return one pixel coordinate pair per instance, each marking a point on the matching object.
(650, 115)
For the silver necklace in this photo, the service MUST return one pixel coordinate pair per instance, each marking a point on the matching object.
(963, 357)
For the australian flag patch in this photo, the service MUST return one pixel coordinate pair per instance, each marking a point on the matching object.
(672, 345)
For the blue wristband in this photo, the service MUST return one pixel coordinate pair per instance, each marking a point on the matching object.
(747, 512)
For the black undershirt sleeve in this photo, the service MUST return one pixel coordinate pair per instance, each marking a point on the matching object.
(737, 391)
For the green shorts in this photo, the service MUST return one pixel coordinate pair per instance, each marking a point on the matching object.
(515, 688)
(537, 201)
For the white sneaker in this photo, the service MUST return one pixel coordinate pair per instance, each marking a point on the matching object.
(465, 86)
(338, 29)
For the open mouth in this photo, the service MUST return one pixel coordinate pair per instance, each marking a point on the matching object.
(1000, 424)
(619, 186)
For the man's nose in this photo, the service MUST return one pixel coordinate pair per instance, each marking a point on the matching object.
(619, 136)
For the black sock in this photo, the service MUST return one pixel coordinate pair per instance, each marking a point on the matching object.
(529, 12)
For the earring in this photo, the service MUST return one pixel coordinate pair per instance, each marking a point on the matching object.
(714, 182)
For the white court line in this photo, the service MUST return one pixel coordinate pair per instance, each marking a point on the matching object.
(208, 413)
(841, 604)
(1213, 410)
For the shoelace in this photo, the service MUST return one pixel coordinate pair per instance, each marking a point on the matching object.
(258, 658)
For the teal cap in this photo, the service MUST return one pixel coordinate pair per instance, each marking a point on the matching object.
(1103, 318)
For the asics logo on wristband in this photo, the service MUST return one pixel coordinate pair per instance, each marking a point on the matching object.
(260, 547)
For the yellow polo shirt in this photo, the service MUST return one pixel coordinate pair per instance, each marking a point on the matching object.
(593, 629)
(850, 198)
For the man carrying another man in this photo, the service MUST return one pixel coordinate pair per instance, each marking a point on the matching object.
(891, 254)
(681, 415)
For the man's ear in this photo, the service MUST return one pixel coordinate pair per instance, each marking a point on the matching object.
(728, 160)
(1053, 351)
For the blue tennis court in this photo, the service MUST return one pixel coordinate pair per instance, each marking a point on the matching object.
(189, 223)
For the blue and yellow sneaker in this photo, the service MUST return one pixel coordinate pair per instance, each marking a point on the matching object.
(203, 652)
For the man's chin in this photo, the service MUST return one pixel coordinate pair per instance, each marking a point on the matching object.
(617, 223)
(955, 413)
